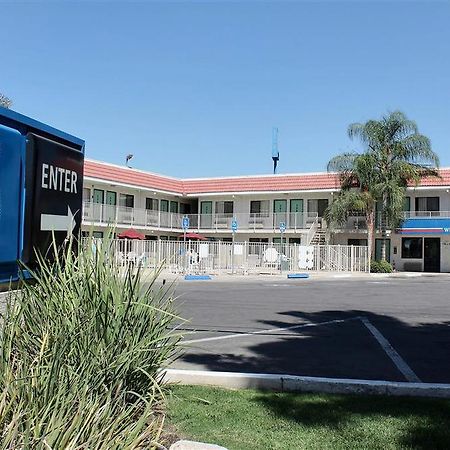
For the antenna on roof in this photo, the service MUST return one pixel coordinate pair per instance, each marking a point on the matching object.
(275, 152)
(129, 156)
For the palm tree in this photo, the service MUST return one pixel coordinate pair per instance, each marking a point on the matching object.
(395, 155)
(357, 179)
(5, 101)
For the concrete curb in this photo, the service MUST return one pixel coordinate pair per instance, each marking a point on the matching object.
(293, 383)
(193, 445)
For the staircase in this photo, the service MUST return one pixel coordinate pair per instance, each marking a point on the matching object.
(319, 237)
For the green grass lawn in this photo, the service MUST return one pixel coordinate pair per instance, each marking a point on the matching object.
(252, 420)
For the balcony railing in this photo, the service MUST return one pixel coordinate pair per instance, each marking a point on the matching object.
(121, 215)
(358, 222)
(420, 214)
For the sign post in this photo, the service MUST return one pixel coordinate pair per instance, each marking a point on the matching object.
(282, 230)
(185, 226)
(234, 227)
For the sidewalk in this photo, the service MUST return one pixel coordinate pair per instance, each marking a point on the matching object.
(228, 277)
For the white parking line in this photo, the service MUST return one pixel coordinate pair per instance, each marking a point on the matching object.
(392, 353)
(270, 330)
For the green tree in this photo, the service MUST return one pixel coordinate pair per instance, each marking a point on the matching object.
(395, 155)
(5, 101)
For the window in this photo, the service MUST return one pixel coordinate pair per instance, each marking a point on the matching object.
(254, 247)
(357, 242)
(126, 200)
(260, 207)
(173, 207)
(86, 195)
(97, 234)
(151, 204)
(224, 207)
(412, 248)
(407, 204)
(317, 207)
(427, 204)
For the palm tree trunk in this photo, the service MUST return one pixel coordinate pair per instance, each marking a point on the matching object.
(370, 234)
(383, 246)
(383, 225)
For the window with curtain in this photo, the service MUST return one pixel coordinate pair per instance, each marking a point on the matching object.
(126, 200)
(260, 207)
(151, 204)
(224, 207)
(425, 204)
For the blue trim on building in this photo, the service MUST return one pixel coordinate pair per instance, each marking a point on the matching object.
(421, 225)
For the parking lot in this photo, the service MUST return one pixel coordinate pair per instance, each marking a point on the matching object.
(395, 329)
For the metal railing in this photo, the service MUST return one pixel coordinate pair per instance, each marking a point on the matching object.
(243, 258)
(312, 231)
(357, 222)
(121, 215)
(420, 214)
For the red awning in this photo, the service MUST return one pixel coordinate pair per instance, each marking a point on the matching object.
(131, 234)
(195, 236)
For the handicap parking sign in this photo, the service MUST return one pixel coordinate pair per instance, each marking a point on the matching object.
(234, 225)
(282, 227)
(185, 223)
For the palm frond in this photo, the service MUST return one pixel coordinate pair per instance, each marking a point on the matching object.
(342, 163)
(416, 148)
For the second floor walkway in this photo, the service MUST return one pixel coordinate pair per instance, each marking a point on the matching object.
(98, 213)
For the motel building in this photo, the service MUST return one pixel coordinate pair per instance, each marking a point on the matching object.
(155, 205)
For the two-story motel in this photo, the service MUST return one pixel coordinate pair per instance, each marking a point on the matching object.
(155, 205)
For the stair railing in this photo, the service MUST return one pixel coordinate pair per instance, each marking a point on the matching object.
(312, 231)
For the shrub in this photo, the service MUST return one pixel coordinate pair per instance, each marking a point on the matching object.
(80, 355)
(381, 267)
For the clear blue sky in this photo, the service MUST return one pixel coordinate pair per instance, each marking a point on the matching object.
(194, 89)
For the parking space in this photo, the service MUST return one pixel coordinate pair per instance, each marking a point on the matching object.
(394, 329)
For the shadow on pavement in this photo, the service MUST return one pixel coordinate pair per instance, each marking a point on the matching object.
(338, 350)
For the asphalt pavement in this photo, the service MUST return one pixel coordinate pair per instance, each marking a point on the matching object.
(393, 329)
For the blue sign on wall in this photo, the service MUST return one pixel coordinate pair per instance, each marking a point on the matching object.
(41, 187)
(282, 227)
(426, 225)
(234, 225)
(185, 223)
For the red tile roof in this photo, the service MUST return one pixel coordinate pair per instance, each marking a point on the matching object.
(270, 183)
(267, 183)
(443, 181)
(109, 172)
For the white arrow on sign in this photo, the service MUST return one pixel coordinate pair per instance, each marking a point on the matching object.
(53, 222)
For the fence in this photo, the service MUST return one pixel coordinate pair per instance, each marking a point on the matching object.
(244, 258)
